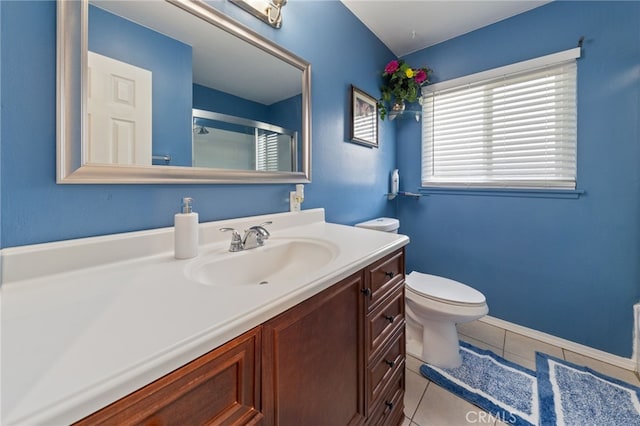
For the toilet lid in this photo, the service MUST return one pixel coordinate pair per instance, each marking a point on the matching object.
(443, 289)
(385, 224)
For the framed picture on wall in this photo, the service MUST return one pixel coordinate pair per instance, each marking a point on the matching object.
(364, 118)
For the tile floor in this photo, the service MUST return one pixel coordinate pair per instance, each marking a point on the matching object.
(427, 404)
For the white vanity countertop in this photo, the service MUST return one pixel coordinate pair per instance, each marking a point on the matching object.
(86, 322)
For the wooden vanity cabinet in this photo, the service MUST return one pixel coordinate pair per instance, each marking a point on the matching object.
(385, 340)
(311, 360)
(337, 358)
(221, 387)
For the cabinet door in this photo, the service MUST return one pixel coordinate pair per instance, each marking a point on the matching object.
(313, 360)
(221, 387)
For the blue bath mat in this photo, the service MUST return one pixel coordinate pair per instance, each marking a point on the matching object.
(574, 395)
(506, 390)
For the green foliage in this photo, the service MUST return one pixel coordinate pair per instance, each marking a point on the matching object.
(401, 83)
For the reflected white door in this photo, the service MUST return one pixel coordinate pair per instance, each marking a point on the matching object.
(119, 112)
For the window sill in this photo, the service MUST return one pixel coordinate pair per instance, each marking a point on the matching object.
(505, 192)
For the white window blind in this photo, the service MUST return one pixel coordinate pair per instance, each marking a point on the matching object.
(517, 130)
(266, 151)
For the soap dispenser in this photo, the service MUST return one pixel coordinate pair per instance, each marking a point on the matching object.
(186, 231)
(395, 182)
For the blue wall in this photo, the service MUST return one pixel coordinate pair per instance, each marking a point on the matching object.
(170, 63)
(216, 101)
(280, 113)
(348, 180)
(568, 267)
(286, 113)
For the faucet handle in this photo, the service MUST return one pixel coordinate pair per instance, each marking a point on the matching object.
(233, 230)
(236, 240)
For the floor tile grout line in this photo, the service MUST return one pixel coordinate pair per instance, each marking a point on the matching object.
(424, 392)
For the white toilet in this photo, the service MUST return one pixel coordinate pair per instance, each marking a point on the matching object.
(434, 305)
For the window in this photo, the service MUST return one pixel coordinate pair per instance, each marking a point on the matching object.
(266, 151)
(513, 127)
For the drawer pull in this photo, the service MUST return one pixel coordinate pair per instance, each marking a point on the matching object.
(390, 274)
(366, 291)
(389, 318)
(391, 364)
(389, 404)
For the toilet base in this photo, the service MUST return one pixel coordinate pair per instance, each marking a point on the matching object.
(443, 347)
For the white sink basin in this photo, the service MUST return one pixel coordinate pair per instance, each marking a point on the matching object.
(278, 261)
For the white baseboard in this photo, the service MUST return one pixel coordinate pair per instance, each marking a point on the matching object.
(626, 363)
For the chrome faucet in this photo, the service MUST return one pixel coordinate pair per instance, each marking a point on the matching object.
(253, 237)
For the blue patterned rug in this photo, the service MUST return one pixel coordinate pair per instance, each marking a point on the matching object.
(575, 395)
(561, 393)
(506, 390)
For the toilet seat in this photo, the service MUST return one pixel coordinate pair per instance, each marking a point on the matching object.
(443, 290)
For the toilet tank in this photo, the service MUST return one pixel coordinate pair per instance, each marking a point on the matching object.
(385, 224)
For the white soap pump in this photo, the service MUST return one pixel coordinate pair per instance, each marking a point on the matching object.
(296, 198)
(186, 231)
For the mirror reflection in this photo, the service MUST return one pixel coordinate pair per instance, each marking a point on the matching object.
(228, 142)
(147, 73)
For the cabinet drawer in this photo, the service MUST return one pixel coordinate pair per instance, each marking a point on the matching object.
(389, 409)
(384, 321)
(221, 387)
(383, 276)
(383, 367)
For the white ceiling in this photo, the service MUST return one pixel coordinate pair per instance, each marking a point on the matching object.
(392, 21)
(406, 26)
